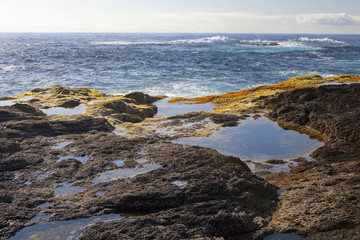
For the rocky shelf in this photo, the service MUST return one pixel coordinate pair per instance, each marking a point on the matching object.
(107, 167)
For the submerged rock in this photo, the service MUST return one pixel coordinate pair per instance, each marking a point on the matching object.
(275, 161)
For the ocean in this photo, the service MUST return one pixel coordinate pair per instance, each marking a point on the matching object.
(185, 65)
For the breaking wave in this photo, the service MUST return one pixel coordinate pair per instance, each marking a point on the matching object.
(328, 40)
(205, 40)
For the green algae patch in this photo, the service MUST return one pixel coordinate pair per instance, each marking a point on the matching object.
(252, 100)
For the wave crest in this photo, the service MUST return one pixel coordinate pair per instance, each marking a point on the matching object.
(328, 40)
(301, 42)
(205, 40)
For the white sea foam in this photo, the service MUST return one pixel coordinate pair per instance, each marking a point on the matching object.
(299, 42)
(205, 40)
(124, 43)
(302, 73)
(9, 68)
(293, 44)
(329, 40)
(192, 87)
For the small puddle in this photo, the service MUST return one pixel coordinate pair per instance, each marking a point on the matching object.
(121, 131)
(336, 83)
(81, 159)
(65, 111)
(6, 103)
(100, 192)
(125, 173)
(61, 145)
(41, 176)
(283, 236)
(45, 205)
(119, 163)
(24, 99)
(280, 191)
(141, 152)
(65, 189)
(40, 217)
(258, 140)
(62, 230)
(170, 109)
(179, 183)
(141, 160)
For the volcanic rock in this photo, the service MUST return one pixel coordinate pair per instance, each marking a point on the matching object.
(321, 201)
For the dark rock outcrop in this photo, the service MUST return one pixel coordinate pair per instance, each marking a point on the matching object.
(142, 98)
(331, 110)
(322, 197)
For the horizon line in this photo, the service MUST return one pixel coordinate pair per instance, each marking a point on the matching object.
(71, 32)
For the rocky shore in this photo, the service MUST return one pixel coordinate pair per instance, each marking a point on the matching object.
(109, 155)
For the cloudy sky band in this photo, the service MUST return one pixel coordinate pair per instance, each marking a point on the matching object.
(202, 16)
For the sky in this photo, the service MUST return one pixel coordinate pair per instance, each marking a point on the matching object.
(181, 16)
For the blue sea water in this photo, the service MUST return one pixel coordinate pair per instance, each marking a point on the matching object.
(171, 64)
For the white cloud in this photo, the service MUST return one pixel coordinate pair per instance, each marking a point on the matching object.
(219, 21)
(219, 16)
(328, 19)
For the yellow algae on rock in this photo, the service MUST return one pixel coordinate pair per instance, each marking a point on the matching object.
(116, 109)
(61, 96)
(120, 109)
(251, 100)
(165, 128)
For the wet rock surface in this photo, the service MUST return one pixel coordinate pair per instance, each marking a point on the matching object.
(131, 170)
(40, 154)
(322, 197)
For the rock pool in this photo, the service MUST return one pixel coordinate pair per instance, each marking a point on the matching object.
(258, 140)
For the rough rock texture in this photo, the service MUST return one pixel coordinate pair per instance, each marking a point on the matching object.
(219, 191)
(332, 110)
(142, 98)
(168, 191)
(322, 200)
(134, 107)
(121, 109)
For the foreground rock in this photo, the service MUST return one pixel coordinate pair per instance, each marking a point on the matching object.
(322, 197)
(187, 192)
(79, 168)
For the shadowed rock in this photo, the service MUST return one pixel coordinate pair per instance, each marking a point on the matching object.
(321, 198)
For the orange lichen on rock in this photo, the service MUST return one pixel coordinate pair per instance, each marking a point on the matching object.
(251, 98)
